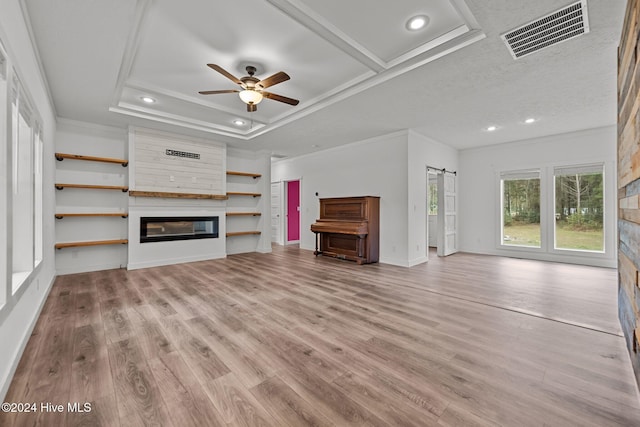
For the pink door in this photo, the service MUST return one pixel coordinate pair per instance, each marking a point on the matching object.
(293, 211)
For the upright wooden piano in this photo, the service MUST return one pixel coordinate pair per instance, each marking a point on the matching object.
(349, 228)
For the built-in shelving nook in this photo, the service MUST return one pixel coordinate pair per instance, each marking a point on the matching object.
(248, 186)
(60, 157)
(236, 194)
(91, 182)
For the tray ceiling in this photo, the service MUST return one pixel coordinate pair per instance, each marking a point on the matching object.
(328, 50)
(357, 71)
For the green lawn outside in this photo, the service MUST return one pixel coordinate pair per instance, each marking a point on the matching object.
(524, 234)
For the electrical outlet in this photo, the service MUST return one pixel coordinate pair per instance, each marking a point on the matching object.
(172, 178)
(193, 179)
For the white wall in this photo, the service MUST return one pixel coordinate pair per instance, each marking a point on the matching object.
(479, 209)
(375, 167)
(18, 315)
(423, 152)
(89, 139)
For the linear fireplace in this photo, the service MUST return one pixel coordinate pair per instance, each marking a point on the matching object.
(163, 229)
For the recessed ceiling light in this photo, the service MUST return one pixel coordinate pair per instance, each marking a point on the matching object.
(238, 122)
(148, 99)
(417, 22)
(529, 121)
(492, 128)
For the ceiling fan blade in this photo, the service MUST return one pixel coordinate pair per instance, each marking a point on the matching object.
(280, 98)
(273, 80)
(213, 92)
(225, 73)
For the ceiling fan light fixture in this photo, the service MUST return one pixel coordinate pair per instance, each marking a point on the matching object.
(253, 87)
(250, 96)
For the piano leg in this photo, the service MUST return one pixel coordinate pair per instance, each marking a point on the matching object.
(360, 249)
(316, 252)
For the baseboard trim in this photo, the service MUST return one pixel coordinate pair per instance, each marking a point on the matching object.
(171, 261)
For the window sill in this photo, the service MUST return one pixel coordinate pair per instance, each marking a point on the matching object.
(18, 279)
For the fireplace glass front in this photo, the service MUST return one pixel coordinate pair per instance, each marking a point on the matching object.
(163, 229)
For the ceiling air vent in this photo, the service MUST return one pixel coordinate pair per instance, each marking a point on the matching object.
(564, 24)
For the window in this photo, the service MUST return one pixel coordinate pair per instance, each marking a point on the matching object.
(554, 209)
(579, 208)
(3, 177)
(24, 153)
(37, 195)
(520, 193)
(21, 183)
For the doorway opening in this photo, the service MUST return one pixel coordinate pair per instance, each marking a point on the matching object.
(432, 209)
(285, 212)
(441, 211)
(292, 196)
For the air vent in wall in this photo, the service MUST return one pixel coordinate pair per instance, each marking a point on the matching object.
(567, 23)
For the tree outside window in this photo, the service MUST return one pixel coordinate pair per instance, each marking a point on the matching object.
(521, 208)
(579, 208)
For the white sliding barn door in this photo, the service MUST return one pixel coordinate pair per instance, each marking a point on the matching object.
(447, 214)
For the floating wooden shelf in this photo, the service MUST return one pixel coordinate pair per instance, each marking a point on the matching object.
(62, 156)
(242, 233)
(239, 193)
(135, 193)
(121, 214)
(252, 175)
(244, 213)
(92, 187)
(91, 243)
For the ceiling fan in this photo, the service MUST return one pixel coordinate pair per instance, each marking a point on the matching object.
(252, 88)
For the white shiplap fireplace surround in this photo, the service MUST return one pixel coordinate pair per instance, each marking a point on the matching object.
(161, 164)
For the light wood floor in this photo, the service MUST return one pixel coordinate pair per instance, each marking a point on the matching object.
(287, 339)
